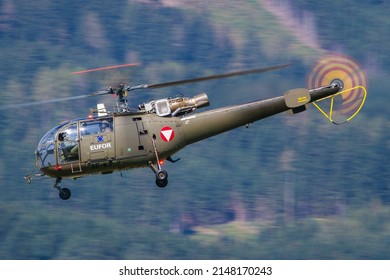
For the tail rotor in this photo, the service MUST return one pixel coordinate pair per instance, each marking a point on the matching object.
(347, 74)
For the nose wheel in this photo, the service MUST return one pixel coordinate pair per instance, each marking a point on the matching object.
(64, 193)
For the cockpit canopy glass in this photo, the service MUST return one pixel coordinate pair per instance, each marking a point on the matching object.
(96, 126)
(45, 150)
(68, 143)
(65, 138)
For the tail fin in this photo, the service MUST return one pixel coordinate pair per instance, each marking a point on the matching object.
(347, 103)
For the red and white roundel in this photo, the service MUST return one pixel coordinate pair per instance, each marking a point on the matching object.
(167, 133)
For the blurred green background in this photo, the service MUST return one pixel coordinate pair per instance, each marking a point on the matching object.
(289, 187)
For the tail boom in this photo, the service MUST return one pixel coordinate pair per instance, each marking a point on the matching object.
(203, 125)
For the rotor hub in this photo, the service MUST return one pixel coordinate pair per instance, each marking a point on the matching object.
(337, 83)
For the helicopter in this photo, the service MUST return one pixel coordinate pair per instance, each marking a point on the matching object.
(146, 136)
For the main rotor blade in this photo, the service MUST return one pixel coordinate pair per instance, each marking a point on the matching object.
(143, 86)
(104, 68)
(213, 77)
(34, 103)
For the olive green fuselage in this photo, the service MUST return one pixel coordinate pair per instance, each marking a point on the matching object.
(134, 138)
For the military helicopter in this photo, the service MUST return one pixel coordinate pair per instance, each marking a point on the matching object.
(147, 136)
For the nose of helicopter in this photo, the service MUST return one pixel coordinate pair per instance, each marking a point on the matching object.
(45, 151)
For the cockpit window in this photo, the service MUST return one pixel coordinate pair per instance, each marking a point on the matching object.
(66, 138)
(45, 150)
(68, 143)
(93, 127)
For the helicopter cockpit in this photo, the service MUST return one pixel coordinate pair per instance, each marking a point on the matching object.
(61, 144)
(67, 136)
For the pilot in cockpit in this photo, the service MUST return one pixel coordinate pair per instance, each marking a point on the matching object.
(105, 126)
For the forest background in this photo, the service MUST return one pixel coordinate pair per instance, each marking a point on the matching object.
(289, 187)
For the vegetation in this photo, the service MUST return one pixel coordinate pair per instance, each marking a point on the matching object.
(286, 188)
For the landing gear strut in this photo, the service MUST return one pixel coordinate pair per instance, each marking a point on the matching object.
(64, 193)
(161, 175)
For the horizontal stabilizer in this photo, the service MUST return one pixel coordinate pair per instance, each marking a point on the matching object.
(297, 97)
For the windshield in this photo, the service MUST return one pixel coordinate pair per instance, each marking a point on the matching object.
(68, 143)
(45, 150)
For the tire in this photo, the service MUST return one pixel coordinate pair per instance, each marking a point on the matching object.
(162, 175)
(161, 183)
(65, 193)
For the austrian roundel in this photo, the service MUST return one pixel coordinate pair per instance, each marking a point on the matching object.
(167, 133)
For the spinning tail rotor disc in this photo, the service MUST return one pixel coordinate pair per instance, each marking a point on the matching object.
(347, 74)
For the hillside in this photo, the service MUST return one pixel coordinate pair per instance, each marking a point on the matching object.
(275, 190)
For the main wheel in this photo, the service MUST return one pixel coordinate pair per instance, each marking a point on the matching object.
(65, 193)
(162, 183)
(161, 175)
